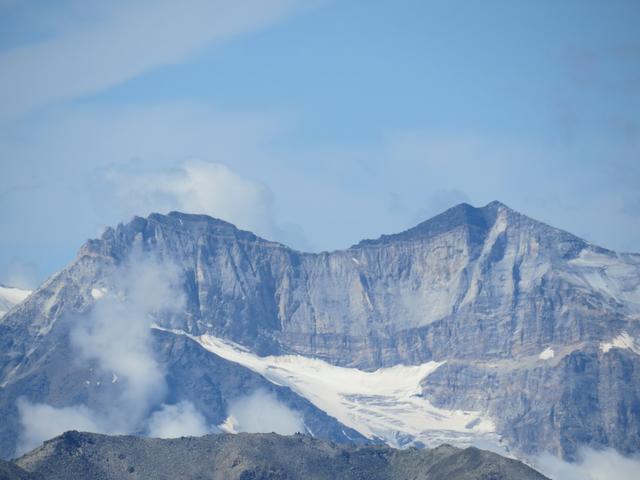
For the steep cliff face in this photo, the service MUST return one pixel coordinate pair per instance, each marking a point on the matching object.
(470, 275)
(536, 327)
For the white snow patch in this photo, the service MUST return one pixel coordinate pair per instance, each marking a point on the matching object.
(97, 293)
(624, 341)
(345, 434)
(230, 425)
(355, 260)
(386, 404)
(546, 354)
(615, 275)
(498, 228)
(310, 432)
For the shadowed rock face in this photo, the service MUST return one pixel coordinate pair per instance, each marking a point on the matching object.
(258, 456)
(10, 471)
(487, 290)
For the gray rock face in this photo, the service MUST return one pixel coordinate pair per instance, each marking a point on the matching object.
(258, 456)
(537, 327)
(10, 471)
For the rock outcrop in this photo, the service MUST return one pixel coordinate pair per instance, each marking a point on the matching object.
(258, 456)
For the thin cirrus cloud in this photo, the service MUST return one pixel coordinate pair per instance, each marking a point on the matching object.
(128, 39)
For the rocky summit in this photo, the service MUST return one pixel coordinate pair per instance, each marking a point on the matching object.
(495, 326)
(254, 456)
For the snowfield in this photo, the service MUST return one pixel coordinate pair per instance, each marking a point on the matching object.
(386, 404)
(615, 275)
(623, 341)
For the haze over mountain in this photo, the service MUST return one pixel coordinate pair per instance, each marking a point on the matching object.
(478, 326)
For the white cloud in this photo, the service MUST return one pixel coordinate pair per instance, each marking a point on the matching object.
(83, 147)
(261, 412)
(123, 40)
(117, 334)
(41, 422)
(180, 420)
(199, 187)
(593, 465)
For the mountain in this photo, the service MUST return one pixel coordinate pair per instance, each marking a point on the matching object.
(10, 471)
(11, 296)
(494, 327)
(258, 456)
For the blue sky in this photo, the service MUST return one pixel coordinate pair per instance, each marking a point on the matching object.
(315, 123)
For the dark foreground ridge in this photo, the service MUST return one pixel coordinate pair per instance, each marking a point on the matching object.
(75, 455)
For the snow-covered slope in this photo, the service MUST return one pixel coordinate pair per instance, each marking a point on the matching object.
(385, 404)
(10, 296)
(614, 275)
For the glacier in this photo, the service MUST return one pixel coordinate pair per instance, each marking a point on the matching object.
(384, 404)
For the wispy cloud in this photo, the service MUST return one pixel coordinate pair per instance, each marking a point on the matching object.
(116, 334)
(41, 421)
(593, 465)
(124, 40)
(182, 419)
(262, 412)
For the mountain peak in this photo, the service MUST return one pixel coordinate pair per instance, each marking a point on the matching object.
(463, 214)
(159, 227)
(194, 218)
(496, 204)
